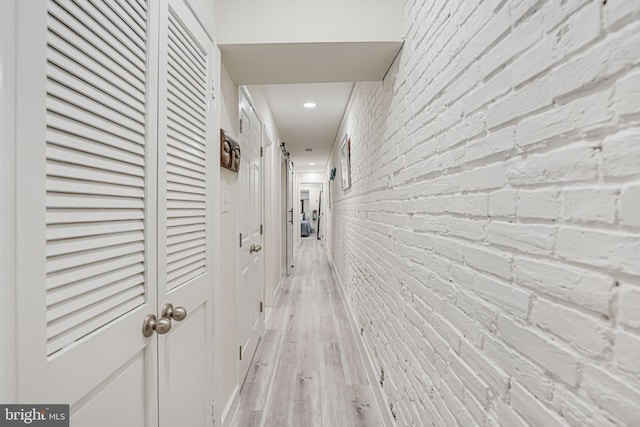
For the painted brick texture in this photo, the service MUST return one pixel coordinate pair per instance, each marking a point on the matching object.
(490, 243)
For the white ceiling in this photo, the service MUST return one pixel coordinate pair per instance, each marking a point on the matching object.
(291, 74)
(301, 128)
(278, 63)
(302, 51)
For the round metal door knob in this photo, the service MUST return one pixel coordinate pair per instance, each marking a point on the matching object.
(151, 324)
(163, 325)
(177, 313)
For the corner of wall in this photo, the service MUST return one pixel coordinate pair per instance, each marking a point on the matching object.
(226, 302)
(372, 371)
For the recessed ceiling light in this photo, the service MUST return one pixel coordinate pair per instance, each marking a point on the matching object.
(309, 105)
(311, 164)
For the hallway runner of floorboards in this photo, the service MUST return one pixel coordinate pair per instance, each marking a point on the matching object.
(307, 370)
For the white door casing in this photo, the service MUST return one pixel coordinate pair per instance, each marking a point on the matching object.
(251, 259)
(284, 216)
(271, 204)
(291, 203)
(92, 215)
(7, 195)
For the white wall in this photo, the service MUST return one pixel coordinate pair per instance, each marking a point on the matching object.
(296, 212)
(273, 214)
(284, 21)
(209, 7)
(226, 359)
(7, 208)
(490, 243)
(312, 177)
(262, 107)
(304, 197)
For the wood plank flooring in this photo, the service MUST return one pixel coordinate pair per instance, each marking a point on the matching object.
(307, 370)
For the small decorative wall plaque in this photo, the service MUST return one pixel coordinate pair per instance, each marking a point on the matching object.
(229, 152)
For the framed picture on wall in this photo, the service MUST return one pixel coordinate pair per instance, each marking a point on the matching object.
(345, 162)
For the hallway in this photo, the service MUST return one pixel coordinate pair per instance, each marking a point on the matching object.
(473, 169)
(307, 370)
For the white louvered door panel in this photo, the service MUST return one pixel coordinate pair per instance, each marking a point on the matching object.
(186, 155)
(186, 148)
(95, 265)
(89, 203)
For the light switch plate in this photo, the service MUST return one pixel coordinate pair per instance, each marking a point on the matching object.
(225, 201)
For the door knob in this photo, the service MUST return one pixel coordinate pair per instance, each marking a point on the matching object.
(150, 324)
(177, 313)
(255, 248)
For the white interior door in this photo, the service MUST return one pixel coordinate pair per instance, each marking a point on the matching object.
(86, 167)
(291, 199)
(185, 173)
(95, 215)
(251, 283)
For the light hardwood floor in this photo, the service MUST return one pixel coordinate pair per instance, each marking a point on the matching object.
(307, 370)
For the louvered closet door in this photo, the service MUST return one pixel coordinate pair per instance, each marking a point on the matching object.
(185, 276)
(87, 209)
(113, 214)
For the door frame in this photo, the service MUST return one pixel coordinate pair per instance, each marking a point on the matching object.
(8, 359)
(293, 193)
(270, 216)
(283, 216)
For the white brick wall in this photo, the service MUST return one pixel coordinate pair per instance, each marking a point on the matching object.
(490, 242)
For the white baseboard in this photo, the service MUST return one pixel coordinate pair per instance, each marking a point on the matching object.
(267, 315)
(283, 277)
(231, 410)
(269, 310)
(370, 367)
